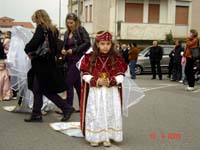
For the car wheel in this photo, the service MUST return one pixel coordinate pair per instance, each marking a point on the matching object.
(138, 70)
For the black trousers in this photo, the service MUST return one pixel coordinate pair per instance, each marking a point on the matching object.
(177, 71)
(189, 72)
(38, 100)
(155, 64)
(170, 69)
(73, 80)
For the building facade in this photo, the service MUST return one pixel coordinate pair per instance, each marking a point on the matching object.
(195, 24)
(138, 19)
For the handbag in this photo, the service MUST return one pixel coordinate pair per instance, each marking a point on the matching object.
(43, 49)
(195, 53)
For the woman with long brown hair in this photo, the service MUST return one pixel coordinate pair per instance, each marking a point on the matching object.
(191, 42)
(76, 43)
(44, 78)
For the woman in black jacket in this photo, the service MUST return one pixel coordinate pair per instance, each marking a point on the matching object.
(177, 73)
(76, 43)
(44, 77)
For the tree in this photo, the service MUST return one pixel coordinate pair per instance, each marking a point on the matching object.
(169, 38)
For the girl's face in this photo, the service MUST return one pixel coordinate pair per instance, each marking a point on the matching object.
(104, 46)
(71, 24)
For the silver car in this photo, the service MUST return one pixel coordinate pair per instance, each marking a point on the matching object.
(143, 63)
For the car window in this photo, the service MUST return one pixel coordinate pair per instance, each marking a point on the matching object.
(144, 52)
(167, 50)
(147, 53)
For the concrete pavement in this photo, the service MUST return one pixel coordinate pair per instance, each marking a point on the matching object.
(166, 119)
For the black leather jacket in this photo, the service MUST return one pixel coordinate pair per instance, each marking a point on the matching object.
(81, 41)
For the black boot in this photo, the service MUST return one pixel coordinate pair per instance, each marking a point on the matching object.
(34, 119)
(68, 114)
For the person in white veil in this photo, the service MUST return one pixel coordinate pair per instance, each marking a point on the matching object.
(18, 66)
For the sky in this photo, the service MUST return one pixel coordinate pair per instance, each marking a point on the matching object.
(22, 10)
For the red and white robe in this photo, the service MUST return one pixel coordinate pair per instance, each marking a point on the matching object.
(101, 107)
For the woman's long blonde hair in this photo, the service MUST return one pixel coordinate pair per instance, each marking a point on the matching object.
(41, 17)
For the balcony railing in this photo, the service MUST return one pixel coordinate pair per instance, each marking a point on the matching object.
(140, 31)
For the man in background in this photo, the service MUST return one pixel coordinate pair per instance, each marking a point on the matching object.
(155, 55)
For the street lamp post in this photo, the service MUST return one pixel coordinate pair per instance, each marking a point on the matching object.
(59, 26)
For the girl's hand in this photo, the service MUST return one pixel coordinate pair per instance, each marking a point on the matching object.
(103, 82)
(64, 52)
(69, 51)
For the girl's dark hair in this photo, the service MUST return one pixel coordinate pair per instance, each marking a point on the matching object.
(73, 16)
(96, 52)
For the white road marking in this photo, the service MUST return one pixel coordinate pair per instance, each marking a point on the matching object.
(195, 91)
(113, 147)
(159, 87)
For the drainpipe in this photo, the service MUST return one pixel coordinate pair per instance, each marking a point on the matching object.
(115, 37)
(79, 9)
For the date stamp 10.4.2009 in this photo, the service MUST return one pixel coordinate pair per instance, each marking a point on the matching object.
(169, 136)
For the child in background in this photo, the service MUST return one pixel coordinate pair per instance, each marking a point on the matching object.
(183, 63)
(6, 42)
(5, 89)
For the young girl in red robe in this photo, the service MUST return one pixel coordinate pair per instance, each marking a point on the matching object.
(101, 102)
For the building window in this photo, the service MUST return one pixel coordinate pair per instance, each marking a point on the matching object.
(182, 15)
(134, 12)
(90, 14)
(86, 13)
(154, 13)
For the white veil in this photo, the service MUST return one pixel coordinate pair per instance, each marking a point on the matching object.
(18, 66)
(19, 63)
(131, 94)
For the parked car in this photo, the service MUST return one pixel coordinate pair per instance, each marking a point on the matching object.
(143, 63)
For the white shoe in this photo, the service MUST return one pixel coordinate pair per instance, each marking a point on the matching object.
(190, 88)
(94, 144)
(106, 144)
(14, 98)
(181, 81)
